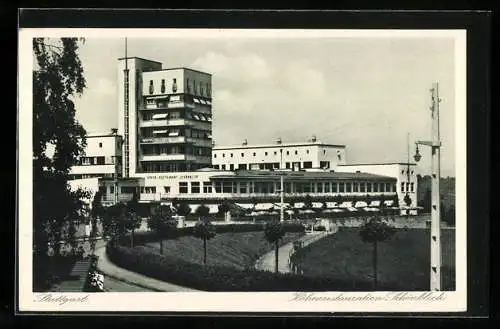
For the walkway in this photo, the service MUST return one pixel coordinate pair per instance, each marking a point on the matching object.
(266, 262)
(149, 284)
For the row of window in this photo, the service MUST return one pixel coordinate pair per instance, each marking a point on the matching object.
(290, 187)
(99, 160)
(272, 165)
(175, 132)
(410, 187)
(201, 89)
(150, 167)
(190, 115)
(166, 149)
(274, 153)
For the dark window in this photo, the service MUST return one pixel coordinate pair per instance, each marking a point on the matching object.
(348, 187)
(207, 187)
(227, 187)
(242, 166)
(275, 153)
(216, 166)
(334, 187)
(287, 165)
(111, 189)
(231, 167)
(319, 187)
(162, 86)
(368, 187)
(242, 155)
(341, 187)
(223, 167)
(128, 189)
(411, 187)
(100, 144)
(254, 153)
(265, 153)
(375, 187)
(296, 152)
(215, 155)
(231, 155)
(307, 151)
(355, 187)
(223, 155)
(100, 160)
(362, 187)
(183, 187)
(287, 152)
(402, 187)
(307, 164)
(195, 187)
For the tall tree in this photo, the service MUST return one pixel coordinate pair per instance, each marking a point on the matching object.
(204, 230)
(274, 231)
(308, 202)
(373, 231)
(162, 223)
(58, 138)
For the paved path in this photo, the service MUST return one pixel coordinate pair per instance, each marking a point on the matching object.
(131, 278)
(266, 262)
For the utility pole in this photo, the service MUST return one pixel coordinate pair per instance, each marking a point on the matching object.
(282, 192)
(435, 145)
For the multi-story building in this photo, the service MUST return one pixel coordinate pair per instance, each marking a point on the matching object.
(165, 117)
(102, 157)
(295, 156)
(405, 174)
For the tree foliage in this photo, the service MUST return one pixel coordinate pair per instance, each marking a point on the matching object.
(202, 211)
(57, 79)
(162, 223)
(274, 231)
(308, 202)
(183, 209)
(204, 230)
(376, 229)
(224, 207)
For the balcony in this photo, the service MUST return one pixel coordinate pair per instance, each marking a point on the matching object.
(169, 105)
(166, 140)
(168, 157)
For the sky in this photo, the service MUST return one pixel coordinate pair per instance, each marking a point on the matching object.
(365, 93)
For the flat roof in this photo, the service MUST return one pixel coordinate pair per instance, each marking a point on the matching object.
(379, 164)
(235, 147)
(179, 68)
(256, 174)
(103, 135)
(143, 59)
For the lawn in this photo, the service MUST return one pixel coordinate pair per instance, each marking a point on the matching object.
(404, 259)
(238, 250)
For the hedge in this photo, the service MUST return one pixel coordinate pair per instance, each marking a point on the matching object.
(150, 236)
(220, 278)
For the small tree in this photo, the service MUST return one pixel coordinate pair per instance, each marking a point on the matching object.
(111, 221)
(274, 231)
(224, 208)
(308, 202)
(204, 230)
(96, 213)
(131, 218)
(183, 209)
(162, 223)
(450, 216)
(376, 230)
(202, 211)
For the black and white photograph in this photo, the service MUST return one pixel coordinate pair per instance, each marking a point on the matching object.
(322, 169)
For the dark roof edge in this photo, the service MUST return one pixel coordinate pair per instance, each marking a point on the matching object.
(377, 164)
(276, 145)
(181, 68)
(144, 59)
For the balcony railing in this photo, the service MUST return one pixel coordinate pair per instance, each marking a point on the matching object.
(169, 105)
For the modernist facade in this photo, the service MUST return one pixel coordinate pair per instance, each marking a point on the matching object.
(165, 117)
(167, 153)
(294, 156)
(102, 158)
(405, 174)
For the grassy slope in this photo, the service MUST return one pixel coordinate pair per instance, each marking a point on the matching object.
(404, 258)
(239, 250)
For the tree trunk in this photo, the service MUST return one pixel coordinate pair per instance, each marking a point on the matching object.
(375, 265)
(132, 238)
(161, 246)
(204, 251)
(276, 248)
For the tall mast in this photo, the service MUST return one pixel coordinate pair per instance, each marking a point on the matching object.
(126, 114)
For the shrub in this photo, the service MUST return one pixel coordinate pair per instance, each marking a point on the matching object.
(220, 278)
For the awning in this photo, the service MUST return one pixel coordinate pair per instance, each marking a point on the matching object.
(346, 204)
(196, 100)
(388, 202)
(196, 116)
(352, 209)
(174, 133)
(306, 211)
(193, 207)
(176, 98)
(317, 205)
(290, 212)
(375, 203)
(160, 131)
(209, 118)
(298, 205)
(160, 116)
(264, 206)
(360, 204)
(209, 103)
(285, 205)
(331, 205)
(214, 209)
(202, 101)
(245, 205)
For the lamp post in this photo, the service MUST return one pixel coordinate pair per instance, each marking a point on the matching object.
(435, 144)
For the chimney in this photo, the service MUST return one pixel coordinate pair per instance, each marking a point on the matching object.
(313, 139)
(114, 131)
(245, 142)
(213, 142)
(278, 141)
